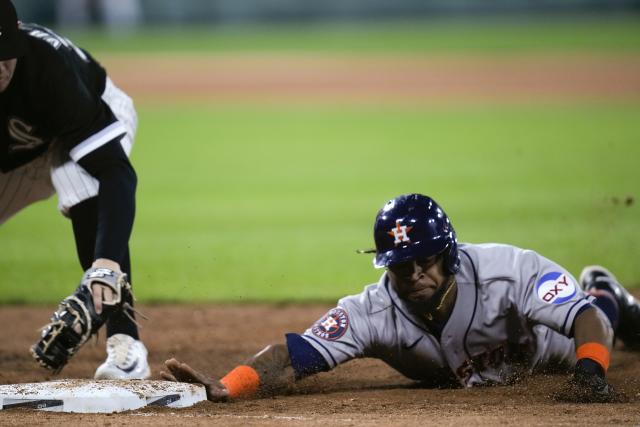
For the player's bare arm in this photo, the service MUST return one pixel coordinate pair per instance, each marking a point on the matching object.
(267, 373)
(590, 327)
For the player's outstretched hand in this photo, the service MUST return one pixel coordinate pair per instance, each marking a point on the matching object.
(181, 372)
(586, 386)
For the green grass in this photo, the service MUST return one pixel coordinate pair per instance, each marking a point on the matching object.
(268, 203)
(559, 35)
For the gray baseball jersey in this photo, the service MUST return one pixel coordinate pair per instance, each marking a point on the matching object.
(513, 312)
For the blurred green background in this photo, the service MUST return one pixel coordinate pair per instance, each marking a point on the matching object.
(590, 34)
(268, 202)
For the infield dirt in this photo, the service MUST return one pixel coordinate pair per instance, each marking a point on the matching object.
(439, 79)
(214, 338)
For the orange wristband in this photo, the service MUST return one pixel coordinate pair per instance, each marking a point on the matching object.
(596, 352)
(242, 381)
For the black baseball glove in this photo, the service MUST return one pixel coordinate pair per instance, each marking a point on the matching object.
(588, 384)
(76, 319)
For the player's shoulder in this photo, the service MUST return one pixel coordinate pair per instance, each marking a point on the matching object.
(42, 57)
(47, 48)
(496, 260)
(490, 251)
(372, 299)
(41, 40)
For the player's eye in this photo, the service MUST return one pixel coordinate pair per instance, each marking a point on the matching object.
(426, 262)
(403, 269)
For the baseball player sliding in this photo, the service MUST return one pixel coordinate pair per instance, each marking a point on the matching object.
(444, 313)
(65, 128)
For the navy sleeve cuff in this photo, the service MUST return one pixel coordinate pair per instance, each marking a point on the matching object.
(305, 359)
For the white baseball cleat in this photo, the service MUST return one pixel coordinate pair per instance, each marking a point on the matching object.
(126, 360)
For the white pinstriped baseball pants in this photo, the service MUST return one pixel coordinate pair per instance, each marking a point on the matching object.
(39, 179)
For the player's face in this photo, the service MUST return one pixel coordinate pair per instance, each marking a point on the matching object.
(6, 73)
(417, 281)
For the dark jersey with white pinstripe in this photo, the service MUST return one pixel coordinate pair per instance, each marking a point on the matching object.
(54, 97)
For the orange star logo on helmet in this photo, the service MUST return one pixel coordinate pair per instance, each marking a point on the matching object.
(400, 232)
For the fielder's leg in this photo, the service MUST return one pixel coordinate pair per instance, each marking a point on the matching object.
(127, 356)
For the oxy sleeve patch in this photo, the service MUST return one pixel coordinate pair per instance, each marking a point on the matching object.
(332, 325)
(555, 288)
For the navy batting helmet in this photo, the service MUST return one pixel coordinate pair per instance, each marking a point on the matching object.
(412, 226)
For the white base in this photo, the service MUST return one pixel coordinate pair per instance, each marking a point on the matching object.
(105, 396)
